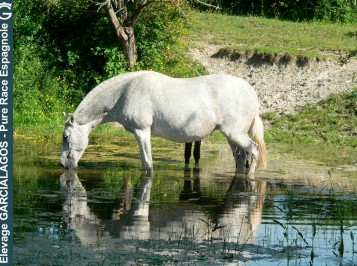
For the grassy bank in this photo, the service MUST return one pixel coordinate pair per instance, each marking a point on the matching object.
(314, 39)
(332, 121)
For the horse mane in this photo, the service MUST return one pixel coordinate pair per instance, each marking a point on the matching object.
(106, 92)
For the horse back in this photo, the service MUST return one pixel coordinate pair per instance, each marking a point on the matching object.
(186, 109)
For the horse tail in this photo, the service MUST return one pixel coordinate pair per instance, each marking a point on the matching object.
(257, 132)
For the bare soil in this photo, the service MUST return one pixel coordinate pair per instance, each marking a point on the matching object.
(283, 83)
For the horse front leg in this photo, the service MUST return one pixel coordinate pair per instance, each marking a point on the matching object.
(143, 138)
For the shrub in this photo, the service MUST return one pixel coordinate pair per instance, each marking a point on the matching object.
(327, 10)
(64, 48)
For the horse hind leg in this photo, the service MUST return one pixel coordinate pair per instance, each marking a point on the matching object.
(239, 157)
(250, 164)
(188, 149)
(197, 152)
(240, 145)
(242, 159)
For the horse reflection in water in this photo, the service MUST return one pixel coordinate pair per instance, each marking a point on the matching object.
(131, 218)
(239, 215)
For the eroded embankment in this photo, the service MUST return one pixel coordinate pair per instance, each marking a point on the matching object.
(284, 83)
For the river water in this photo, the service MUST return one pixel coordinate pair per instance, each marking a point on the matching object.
(301, 210)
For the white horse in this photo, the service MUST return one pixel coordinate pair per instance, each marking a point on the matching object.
(180, 110)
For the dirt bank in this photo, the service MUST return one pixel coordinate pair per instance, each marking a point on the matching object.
(284, 83)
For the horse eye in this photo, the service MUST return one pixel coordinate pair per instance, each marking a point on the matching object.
(65, 137)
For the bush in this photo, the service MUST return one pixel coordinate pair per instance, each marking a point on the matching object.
(327, 10)
(40, 96)
(160, 29)
(64, 48)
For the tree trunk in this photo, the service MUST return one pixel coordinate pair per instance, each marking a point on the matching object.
(124, 23)
(129, 45)
(125, 34)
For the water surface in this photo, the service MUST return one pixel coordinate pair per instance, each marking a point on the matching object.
(301, 210)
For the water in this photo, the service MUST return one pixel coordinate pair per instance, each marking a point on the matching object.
(299, 211)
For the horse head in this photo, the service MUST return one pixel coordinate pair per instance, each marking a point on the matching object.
(75, 141)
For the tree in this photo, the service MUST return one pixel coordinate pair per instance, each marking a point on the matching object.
(123, 15)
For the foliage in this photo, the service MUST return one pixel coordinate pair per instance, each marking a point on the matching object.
(327, 10)
(39, 90)
(332, 121)
(64, 48)
(39, 94)
(158, 35)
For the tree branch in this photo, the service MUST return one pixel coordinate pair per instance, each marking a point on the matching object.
(100, 4)
(144, 3)
(206, 4)
(119, 28)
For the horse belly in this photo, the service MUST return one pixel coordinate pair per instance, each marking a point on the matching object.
(183, 130)
(181, 136)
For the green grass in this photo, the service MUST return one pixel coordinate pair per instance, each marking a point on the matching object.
(332, 121)
(313, 39)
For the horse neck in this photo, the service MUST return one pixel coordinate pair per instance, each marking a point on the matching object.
(94, 119)
(94, 108)
(102, 99)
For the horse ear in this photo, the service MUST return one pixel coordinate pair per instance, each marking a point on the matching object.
(69, 119)
(66, 116)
